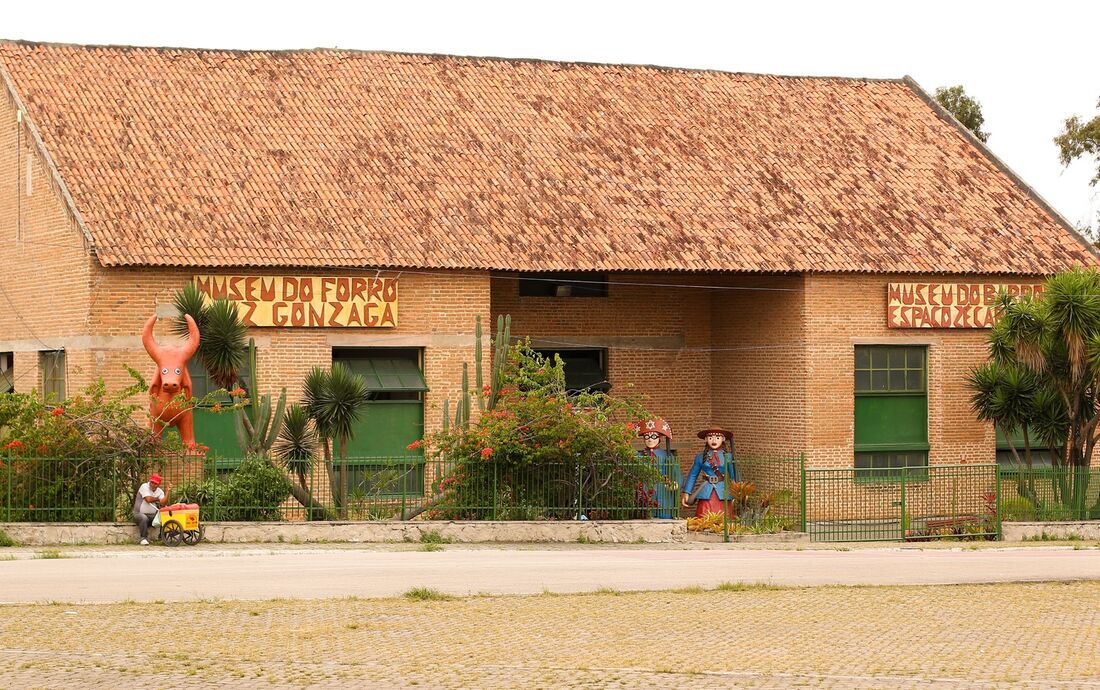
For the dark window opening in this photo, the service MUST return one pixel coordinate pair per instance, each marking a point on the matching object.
(584, 369)
(1041, 455)
(7, 372)
(563, 285)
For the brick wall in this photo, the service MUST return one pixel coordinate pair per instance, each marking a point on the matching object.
(843, 310)
(669, 366)
(437, 313)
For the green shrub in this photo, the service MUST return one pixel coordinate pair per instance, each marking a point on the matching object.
(255, 491)
(1018, 509)
(5, 540)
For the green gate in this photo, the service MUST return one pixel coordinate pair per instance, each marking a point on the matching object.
(902, 504)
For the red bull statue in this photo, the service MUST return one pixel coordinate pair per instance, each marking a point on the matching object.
(170, 394)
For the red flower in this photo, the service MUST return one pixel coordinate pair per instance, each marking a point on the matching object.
(217, 407)
(486, 453)
(486, 390)
(237, 392)
(415, 444)
(58, 411)
(204, 449)
(13, 444)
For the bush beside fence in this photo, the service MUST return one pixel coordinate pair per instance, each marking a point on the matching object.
(62, 490)
(1050, 494)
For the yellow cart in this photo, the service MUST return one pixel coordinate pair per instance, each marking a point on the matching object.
(179, 524)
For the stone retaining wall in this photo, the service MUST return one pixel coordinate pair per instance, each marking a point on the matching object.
(1024, 531)
(616, 532)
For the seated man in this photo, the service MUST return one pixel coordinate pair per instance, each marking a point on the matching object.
(147, 502)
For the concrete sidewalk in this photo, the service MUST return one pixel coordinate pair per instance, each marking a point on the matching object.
(256, 574)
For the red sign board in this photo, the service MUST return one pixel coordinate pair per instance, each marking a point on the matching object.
(948, 305)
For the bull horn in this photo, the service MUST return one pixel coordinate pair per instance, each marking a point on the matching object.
(192, 337)
(149, 341)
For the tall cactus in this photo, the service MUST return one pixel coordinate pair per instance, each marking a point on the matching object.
(500, 356)
(258, 427)
(463, 406)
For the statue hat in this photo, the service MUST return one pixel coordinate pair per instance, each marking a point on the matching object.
(715, 429)
(655, 426)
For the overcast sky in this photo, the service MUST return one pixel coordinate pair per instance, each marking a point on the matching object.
(1030, 65)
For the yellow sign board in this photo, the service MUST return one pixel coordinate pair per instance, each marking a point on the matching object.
(948, 305)
(308, 301)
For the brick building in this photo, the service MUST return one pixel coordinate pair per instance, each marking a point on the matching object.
(804, 260)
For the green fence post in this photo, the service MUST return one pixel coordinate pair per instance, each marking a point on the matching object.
(114, 490)
(904, 509)
(9, 463)
(802, 471)
(404, 485)
(997, 509)
(495, 472)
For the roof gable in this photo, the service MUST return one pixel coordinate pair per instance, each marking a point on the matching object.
(341, 158)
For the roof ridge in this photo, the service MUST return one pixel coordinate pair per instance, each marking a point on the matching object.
(452, 56)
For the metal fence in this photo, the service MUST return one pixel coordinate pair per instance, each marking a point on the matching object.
(906, 504)
(82, 490)
(1050, 493)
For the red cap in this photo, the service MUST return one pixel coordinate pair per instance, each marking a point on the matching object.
(154, 478)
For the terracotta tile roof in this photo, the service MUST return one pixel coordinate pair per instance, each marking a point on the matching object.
(330, 157)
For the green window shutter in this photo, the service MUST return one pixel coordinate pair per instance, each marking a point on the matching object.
(895, 422)
(389, 374)
(386, 428)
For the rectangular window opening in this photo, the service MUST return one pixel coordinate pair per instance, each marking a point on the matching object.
(52, 365)
(585, 369)
(7, 372)
(891, 413)
(563, 285)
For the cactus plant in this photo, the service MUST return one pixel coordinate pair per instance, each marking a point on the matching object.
(463, 406)
(257, 426)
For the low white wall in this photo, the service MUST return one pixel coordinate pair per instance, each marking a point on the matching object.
(617, 532)
(1024, 531)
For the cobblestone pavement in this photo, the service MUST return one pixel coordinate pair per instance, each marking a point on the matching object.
(1038, 635)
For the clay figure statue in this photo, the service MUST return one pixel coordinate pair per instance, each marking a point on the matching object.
(170, 393)
(707, 483)
(654, 433)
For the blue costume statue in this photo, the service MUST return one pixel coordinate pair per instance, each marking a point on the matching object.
(706, 483)
(661, 497)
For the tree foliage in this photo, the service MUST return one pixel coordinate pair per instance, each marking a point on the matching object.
(1043, 373)
(965, 109)
(1080, 139)
(223, 335)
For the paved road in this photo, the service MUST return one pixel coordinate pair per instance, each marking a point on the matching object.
(183, 575)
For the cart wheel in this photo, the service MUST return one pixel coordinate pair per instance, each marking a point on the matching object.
(192, 537)
(171, 533)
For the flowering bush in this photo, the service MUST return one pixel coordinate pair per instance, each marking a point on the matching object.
(540, 453)
(71, 461)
